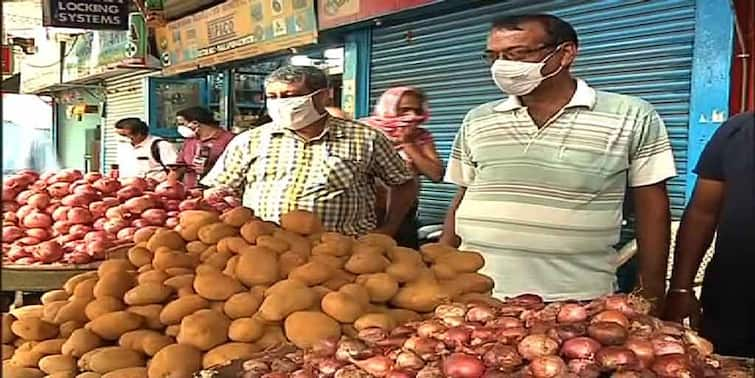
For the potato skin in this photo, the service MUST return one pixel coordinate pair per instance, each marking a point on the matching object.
(112, 325)
(176, 310)
(80, 342)
(246, 330)
(204, 329)
(257, 266)
(242, 305)
(57, 363)
(34, 329)
(102, 306)
(228, 352)
(105, 360)
(151, 315)
(175, 360)
(342, 307)
(301, 222)
(131, 372)
(147, 293)
(213, 285)
(305, 328)
(7, 333)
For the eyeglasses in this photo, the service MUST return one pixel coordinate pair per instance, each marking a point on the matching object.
(519, 54)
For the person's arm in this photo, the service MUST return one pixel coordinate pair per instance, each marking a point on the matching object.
(229, 172)
(425, 159)
(651, 164)
(449, 237)
(391, 169)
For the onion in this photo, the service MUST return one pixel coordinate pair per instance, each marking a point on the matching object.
(446, 310)
(462, 365)
(505, 322)
(528, 300)
(303, 373)
(619, 302)
(482, 335)
(674, 365)
(171, 189)
(572, 313)
(614, 357)
(502, 356)
(584, 368)
(352, 349)
(563, 332)
(324, 348)
(424, 347)
(547, 367)
(607, 333)
(480, 314)
(378, 366)
(697, 342)
(399, 374)
(534, 346)
(37, 220)
(611, 316)
(456, 336)
(409, 360)
(643, 349)
(580, 347)
(430, 372)
(512, 335)
(664, 345)
(431, 328)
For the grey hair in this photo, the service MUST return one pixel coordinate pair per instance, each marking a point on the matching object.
(314, 78)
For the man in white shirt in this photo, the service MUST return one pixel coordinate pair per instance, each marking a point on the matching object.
(141, 154)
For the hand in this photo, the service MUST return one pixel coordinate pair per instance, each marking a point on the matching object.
(449, 240)
(680, 306)
(655, 296)
(385, 230)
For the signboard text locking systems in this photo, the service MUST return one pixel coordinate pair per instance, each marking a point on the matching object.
(88, 14)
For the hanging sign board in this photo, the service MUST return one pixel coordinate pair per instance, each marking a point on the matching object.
(235, 29)
(86, 14)
(7, 60)
(332, 13)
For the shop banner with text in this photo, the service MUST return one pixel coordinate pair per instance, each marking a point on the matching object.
(332, 13)
(236, 29)
(86, 14)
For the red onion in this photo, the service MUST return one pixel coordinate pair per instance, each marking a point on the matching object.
(481, 335)
(303, 373)
(580, 347)
(462, 365)
(619, 302)
(504, 357)
(642, 348)
(563, 332)
(572, 313)
(425, 347)
(534, 346)
(392, 341)
(671, 329)
(372, 334)
(352, 349)
(378, 366)
(480, 314)
(698, 343)
(505, 322)
(608, 333)
(430, 372)
(614, 357)
(409, 360)
(430, 328)
(275, 375)
(633, 374)
(456, 336)
(402, 331)
(674, 365)
(584, 368)
(400, 374)
(547, 367)
(325, 347)
(256, 366)
(329, 366)
(611, 316)
(453, 309)
(527, 300)
(664, 345)
(511, 310)
(453, 321)
(512, 335)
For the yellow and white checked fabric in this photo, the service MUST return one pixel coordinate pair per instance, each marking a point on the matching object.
(332, 175)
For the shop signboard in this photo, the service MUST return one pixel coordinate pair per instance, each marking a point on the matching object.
(36, 76)
(332, 13)
(235, 29)
(86, 14)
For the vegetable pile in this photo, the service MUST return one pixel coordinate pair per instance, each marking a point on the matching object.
(218, 288)
(523, 337)
(73, 218)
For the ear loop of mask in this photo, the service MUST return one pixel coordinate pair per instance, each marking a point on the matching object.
(554, 73)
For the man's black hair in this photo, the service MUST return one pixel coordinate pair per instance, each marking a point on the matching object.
(558, 30)
(313, 78)
(198, 114)
(133, 124)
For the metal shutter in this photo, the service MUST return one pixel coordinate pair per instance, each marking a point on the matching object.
(641, 48)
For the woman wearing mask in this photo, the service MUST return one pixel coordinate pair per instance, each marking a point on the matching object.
(205, 142)
(398, 114)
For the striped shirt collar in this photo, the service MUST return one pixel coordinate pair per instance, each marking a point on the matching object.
(584, 96)
(332, 127)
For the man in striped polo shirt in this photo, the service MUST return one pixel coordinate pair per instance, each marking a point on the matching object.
(542, 173)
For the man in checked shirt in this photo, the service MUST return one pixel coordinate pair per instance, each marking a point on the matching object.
(306, 159)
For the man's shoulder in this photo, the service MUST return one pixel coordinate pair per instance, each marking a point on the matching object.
(482, 111)
(356, 128)
(617, 103)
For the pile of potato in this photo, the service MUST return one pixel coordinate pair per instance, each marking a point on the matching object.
(223, 287)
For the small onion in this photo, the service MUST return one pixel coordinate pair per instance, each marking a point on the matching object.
(351, 371)
(642, 348)
(619, 302)
(454, 321)
(611, 316)
(409, 360)
(563, 332)
(399, 374)
(453, 309)
(372, 334)
(608, 333)
(580, 347)
(584, 368)
(504, 357)
(349, 349)
(614, 357)
(430, 372)
(480, 314)
(673, 365)
(512, 335)
(505, 322)
(664, 345)
(697, 342)
(534, 346)
(547, 367)
(456, 336)
(572, 313)
(482, 335)
(430, 328)
(377, 365)
(462, 365)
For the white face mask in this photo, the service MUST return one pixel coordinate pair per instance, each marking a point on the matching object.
(520, 78)
(294, 113)
(186, 131)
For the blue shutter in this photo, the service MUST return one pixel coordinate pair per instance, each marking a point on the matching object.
(641, 48)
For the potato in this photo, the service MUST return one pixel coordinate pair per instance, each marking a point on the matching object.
(67, 328)
(166, 238)
(80, 342)
(165, 259)
(11, 371)
(140, 256)
(251, 230)
(237, 216)
(50, 310)
(102, 306)
(175, 361)
(47, 347)
(204, 329)
(34, 329)
(404, 316)
(296, 242)
(147, 293)
(242, 305)
(233, 244)
(89, 374)
(108, 359)
(85, 289)
(420, 296)
(366, 262)
(28, 312)
(273, 336)
(26, 358)
(114, 265)
(246, 330)
(375, 320)
(151, 315)
(444, 271)
(229, 352)
(142, 235)
(197, 217)
(196, 247)
(257, 266)
(54, 296)
(283, 286)
(218, 260)
(381, 287)
(358, 292)
(145, 268)
(312, 273)
(115, 284)
(112, 325)
(305, 328)
(71, 283)
(301, 222)
(153, 275)
(131, 372)
(288, 261)
(172, 330)
(272, 243)
(279, 304)
(342, 307)
(384, 241)
(8, 351)
(431, 251)
(474, 283)
(145, 341)
(362, 247)
(479, 298)
(402, 254)
(331, 261)
(404, 272)
(176, 310)
(462, 262)
(339, 279)
(335, 248)
(213, 233)
(57, 363)
(211, 250)
(216, 286)
(7, 334)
